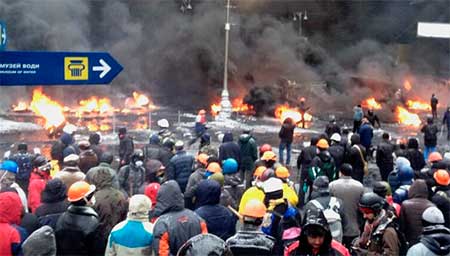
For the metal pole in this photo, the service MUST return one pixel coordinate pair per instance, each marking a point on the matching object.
(227, 38)
(300, 22)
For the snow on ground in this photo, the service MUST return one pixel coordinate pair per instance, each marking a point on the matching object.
(8, 126)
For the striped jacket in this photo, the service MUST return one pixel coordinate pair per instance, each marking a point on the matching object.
(131, 237)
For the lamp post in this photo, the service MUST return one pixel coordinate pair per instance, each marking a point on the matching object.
(300, 16)
(225, 103)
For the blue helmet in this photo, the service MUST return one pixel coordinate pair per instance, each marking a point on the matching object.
(229, 166)
(9, 166)
(401, 194)
(405, 175)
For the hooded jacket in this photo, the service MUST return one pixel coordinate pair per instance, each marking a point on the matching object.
(393, 179)
(53, 203)
(286, 133)
(175, 224)
(354, 158)
(410, 218)
(234, 187)
(414, 155)
(229, 148)
(180, 168)
(337, 151)
(322, 164)
(40, 243)
(88, 159)
(385, 159)
(435, 240)
(111, 205)
(132, 179)
(10, 214)
(430, 131)
(250, 240)
(219, 220)
(366, 134)
(76, 232)
(248, 152)
(102, 165)
(38, 179)
(196, 177)
(70, 175)
(441, 199)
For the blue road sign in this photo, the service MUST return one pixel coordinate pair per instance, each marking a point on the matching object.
(57, 68)
(3, 38)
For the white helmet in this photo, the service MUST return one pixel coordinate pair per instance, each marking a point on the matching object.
(336, 137)
(163, 123)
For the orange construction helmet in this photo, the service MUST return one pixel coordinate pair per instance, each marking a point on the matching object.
(214, 167)
(322, 144)
(269, 155)
(265, 148)
(259, 171)
(254, 208)
(202, 112)
(203, 158)
(434, 157)
(441, 177)
(282, 172)
(79, 190)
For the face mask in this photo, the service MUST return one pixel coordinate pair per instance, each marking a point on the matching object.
(139, 163)
(92, 201)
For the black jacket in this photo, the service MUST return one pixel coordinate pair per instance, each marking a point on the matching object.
(76, 231)
(248, 152)
(385, 159)
(229, 149)
(441, 199)
(337, 151)
(180, 168)
(332, 128)
(355, 160)
(436, 239)
(430, 135)
(126, 149)
(250, 241)
(286, 133)
(153, 151)
(49, 213)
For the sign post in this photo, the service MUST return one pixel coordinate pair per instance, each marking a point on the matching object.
(57, 68)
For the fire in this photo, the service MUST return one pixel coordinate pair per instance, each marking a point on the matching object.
(140, 99)
(21, 106)
(215, 109)
(51, 110)
(407, 118)
(418, 105)
(237, 105)
(284, 111)
(371, 103)
(407, 85)
(94, 104)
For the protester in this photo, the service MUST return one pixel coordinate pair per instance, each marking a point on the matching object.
(393, 179)
(76, 228)
(71, 173)
(105, 162)
(366, 136)
(229, 148)
(250, 240)
(204, 244)
(382, 189)
(180, 166)
(286, 135)
(405, 179)
(25, 165)
(38, 179)
(132, 175)
(40, 243)
(10, 232)
(206, 147)
(434, 102)
(349, 191)
(220, 221)
(288, 187)
(232, 182)
(446, 121)
(332, 127)
(337, 151)
(415, 156)
(303, 164)
(262, 149)
(384, 157)
(357, 158)
(429, 131)
(133, 236)
(373, 118)
(358, 115)
(255, 192)
(249, 154)
(53, 203)
(8, 171)
(154, 172)
(175, 224)
(442, 194)
(195, 178)
(88, 158)
(94, 140)
(126, 147)
(153, 150)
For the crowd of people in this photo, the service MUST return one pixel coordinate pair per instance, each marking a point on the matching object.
(239, 198)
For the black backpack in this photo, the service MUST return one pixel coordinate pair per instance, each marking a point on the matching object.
(23, 161)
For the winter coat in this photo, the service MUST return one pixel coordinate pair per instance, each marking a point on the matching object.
(410, 218)
(233, 185)
(349, 191)
(441, 199)
(133, 236)
(332, 128)
(322, 164)
(435, 240)
(203, 244)
(220, 221)
(385, 159)
(88, 159)
(337, 151)
(250, 240)
(126, 149)
(416, 159)
(70, 175)
(92, 172)
(166, 155)
(76, 232)
(286, 133)
(366, 134)
(23, 160)
(40, 243)
(175, 224)
(196, 177)
(38, 179)
(229, 149)
(111, 205)
(355, 160)
(248, 152)
(153, 151)
(446, 119)
(430, 135)
(180, 168)
(53, 204)
(10, 213)
(132, 179)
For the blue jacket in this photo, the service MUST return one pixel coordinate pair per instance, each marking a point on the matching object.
(180, 168)
(366, 134)
(130, 237)
(219, 220)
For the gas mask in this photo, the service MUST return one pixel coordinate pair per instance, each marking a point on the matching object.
(139, 163)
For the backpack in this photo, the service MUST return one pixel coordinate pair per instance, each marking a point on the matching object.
(25, 167)
(404, 245)
(332, 216)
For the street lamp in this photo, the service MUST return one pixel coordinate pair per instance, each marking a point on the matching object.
(225, 103)
(300, 17)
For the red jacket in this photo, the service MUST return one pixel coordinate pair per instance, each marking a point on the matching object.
(10, 213)
(38, 180)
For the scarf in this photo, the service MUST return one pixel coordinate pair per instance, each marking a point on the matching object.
(369, 228)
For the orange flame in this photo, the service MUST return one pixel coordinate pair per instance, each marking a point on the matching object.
(407, 85)
(237, 105)
(418, 105)
(94, 104)
(284, 111)
(21, 106)
(407, 118)
(371, 103)
(140, 99)
(51, 110)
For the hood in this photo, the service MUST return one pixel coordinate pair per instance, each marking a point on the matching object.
(314, 140)
(10, 208)
(227, 137)
(203, 244)
(437, 239)
(154, 139)
(355, 139)
(102, 178)
(40, 242)
(325, 156)
(169, 198)
(244, 138)
(138, 207)
(152, 191)
(207, 193)
(288, 125)
(314, 220)
(66, 139)
(418, 189)
(413, 143)
(55, 191)
(94, 138)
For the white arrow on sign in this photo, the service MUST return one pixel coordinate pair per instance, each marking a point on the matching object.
(105, 68)
(3, 33)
